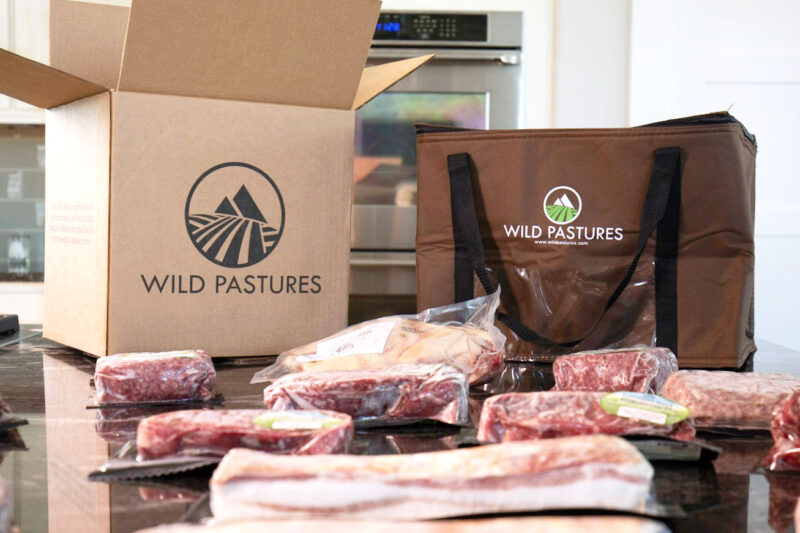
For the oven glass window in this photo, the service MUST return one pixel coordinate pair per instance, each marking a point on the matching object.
(385, 165)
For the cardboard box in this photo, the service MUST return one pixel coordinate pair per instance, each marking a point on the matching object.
(201, 197)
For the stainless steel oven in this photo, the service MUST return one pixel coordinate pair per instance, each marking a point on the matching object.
(474, 82)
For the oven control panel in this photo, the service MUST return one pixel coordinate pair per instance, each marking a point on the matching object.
(434, 27)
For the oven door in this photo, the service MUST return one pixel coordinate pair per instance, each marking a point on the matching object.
(475, 88)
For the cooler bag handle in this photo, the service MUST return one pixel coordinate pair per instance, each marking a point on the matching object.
(661, 210)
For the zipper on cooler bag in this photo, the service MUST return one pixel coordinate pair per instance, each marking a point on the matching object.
(710, 119)
(720, 117)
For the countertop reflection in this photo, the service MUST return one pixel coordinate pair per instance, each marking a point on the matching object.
(50, 386)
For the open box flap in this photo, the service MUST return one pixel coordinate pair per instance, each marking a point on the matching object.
(41, 85)
(86, 38)
(296, 52)
(375, 80)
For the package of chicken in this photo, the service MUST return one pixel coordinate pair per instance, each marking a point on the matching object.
(462, 335)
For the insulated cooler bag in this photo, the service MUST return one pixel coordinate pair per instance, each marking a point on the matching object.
(597, 238)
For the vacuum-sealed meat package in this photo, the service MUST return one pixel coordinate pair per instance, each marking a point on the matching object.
(586, 472)
(119, 424)
(5, 507)
(785, 429)
(544, 415)
(539, 524)
(797, 516)
(462, 335)
(400, 394)
(723, 399)
(7, 419)
(630, 369)
(154, 377)
(215, 432)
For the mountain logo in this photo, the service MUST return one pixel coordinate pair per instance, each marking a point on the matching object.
(235, 215)
(562, 204)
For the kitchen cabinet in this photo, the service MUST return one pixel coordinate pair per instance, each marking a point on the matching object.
(23, 30)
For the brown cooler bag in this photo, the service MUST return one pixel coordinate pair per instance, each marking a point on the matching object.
(597, 238)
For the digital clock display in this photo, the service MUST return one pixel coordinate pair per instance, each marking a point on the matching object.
(388, 27)
(431, 27)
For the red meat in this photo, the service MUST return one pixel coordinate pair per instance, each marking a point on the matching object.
(154, 377)
(207, 432)
(634, 369)
(592, 471)
(785, 429)
(544, 415)
(720, 398)
(400, 394)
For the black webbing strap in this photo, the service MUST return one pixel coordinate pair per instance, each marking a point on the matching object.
(462, 204)
(660, 198)
(667, 267)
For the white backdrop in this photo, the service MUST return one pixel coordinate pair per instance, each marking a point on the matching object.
(691, 57)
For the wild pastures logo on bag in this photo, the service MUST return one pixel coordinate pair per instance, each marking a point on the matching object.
(223, 217)
(562, 205)
(234, 216)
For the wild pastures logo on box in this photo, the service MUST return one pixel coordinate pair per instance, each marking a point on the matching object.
(230, 229)
(562, 205)
(235, 216)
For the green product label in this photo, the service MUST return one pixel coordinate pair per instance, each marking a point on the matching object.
(293, 420)
(644, 407)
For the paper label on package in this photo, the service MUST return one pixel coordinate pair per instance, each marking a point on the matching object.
(294, 420)
(123, 3)
(367, 339)
(148, 356)
(641, 414)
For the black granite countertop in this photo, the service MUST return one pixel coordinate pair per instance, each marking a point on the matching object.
(47, 463)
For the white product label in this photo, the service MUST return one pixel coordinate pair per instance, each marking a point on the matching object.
(368, 339)
(124, 3)
(297, 423)
(414, 370)
(148, 356)
(641, 414)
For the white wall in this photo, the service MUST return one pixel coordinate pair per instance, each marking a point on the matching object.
(25, 299)
(591, 64)
(693, 57)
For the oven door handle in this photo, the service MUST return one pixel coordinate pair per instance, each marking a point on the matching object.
(383, 260)
(504, 57)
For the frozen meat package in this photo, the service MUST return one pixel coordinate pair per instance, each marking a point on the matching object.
(401, 394)
(545, 415)
(462, 335)
(538, 524)
(5, 507)
(785, 429)
(147, 377)
(725, 399)
(215, 432)
(586, 472)
(629, 369)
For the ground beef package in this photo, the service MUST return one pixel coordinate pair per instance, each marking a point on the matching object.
(133, 378)
(627, 369)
